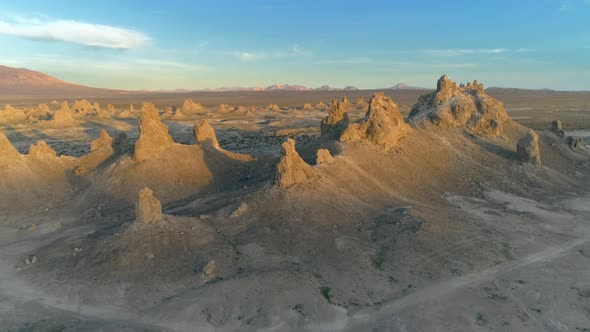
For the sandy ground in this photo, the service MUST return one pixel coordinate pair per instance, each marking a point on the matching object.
(448, 232)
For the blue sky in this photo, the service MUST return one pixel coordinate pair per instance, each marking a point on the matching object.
(369, 44)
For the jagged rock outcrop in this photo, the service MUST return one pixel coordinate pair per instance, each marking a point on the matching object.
(7, 151)
(321, 106)
(104, 141)
(527, 149)
(205, 134)
(292, 169)
(224, 108)
(153, 134)
(345, 102)
(324, 156)
(575, 143)
(557, 128)
(190, 107)
(65, 105)
(466, 106)
(273, 108)
(308, 107)
(360, 102)
(336, 122)
(42, 151)
(11, 114)
(383, 124)
(63, 117)
(148, 209)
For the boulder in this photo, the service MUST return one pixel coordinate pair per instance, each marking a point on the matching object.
(383, 124)
(148, 209)
(292, 169)
(527, 149)
(210, 268)
(153, 134)
(205, 134)
(324, 156)
(336, 122)
(465, 106)
(104, 141)
(42, 151)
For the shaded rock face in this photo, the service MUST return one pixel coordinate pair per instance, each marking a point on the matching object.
(557, 128)
(324, 156)
(336, 122)
(383, 124)
(205, 134)
(7, 150)
(148, 209)
(41, 150)
(466, 106)
(292, 169)
(153, 134)
(527, 149)
(104, 141)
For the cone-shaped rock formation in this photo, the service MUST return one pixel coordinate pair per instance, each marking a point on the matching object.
(148, 209)
(527, 149)
(336, 122)
(383, 124)
(153, 134)
(292, 169)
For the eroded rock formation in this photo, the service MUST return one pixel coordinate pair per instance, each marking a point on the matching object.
(557, 128)
(466, 106)
(307, 107)
(575, 143)
(324, 156)
(11, 114)
(292, 169)
(383, 124)
(153, 134)
(336, 122)
(42, 151)
(191, 107)
(205, 134)
(527, 149)
(148, 209)
(104, 141)
(7, 150)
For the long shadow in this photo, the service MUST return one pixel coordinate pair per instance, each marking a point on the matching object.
(498, 150)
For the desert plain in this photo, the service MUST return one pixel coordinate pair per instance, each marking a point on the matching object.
(453, 209)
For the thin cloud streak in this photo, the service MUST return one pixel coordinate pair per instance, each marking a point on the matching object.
(70, 31)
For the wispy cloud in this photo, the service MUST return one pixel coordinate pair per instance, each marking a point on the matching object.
(70, 31)
(295, 51)
(457, 52)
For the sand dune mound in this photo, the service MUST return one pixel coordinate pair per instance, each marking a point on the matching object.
(527, 149)
(153, 134)
(336, 122)
(292, 169)
(460, 106)
(383, 124)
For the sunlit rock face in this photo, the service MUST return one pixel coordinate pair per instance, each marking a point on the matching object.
(527, 149)
(153, 134)
(292, 169)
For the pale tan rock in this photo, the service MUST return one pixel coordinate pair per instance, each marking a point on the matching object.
(466, 106)
(292, 169)
(239, 211)
(190, 107)
(308, 107)
(42, 151)
(273, 108)
(210, 268)
(360, 102)
(7, 150)
(11, 114)
(65, 106)
(80, 171)
(383, 124)
(153, 134)
(205, 134)
(104, 141)
(63, 117)
(336, 122)
(324, 156)
(321, 106)
(148, 209)
(527, 149)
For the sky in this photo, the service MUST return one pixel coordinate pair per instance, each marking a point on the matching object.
(369, 44)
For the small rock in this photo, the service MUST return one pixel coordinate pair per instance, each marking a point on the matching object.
(77, 251)
(239, 211)
(31, 259)
(209, 269)
(149, 255)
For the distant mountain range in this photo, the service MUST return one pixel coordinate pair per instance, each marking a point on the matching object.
(25, 82)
